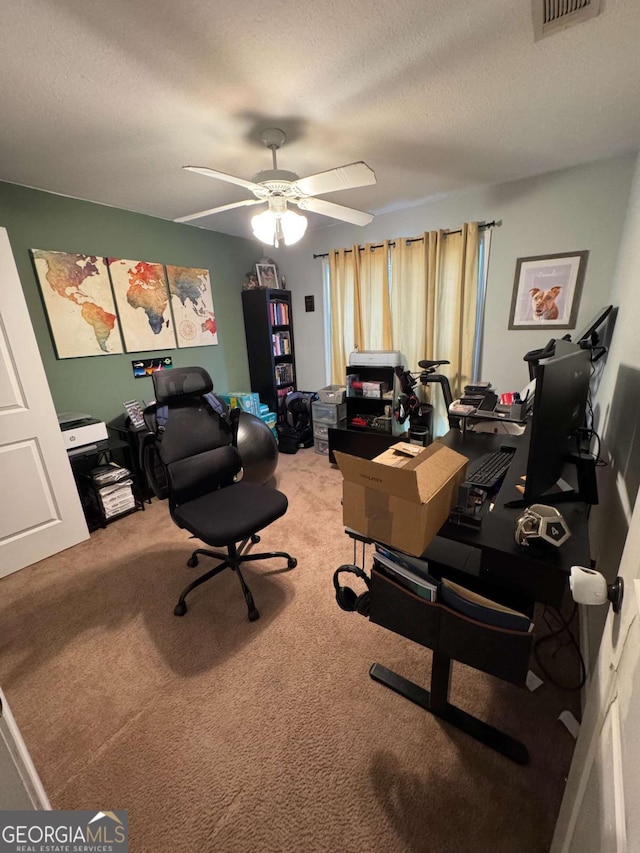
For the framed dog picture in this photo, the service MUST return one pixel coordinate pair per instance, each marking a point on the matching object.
(547, 290)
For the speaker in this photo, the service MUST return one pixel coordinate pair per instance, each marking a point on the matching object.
(346, 597)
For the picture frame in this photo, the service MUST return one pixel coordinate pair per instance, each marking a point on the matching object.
(547, 291)
(267, 275)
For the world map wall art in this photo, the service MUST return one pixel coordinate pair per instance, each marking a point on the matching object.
(106, 306)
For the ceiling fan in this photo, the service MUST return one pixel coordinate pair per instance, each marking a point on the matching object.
(279, 188)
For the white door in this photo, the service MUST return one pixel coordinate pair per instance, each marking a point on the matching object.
(40, 511)
(599, 812)
(20, 785)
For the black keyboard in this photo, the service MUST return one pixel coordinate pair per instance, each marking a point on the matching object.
(487, 471)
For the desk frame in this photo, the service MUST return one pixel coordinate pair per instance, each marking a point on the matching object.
(436, 701)
(536, 574)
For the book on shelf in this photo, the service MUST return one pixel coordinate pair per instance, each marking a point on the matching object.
(424, 587)
(482, 609)
(279, 313)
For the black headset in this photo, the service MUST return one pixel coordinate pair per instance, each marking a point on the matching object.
(347, 599)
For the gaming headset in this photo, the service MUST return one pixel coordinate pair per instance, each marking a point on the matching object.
(347, 599)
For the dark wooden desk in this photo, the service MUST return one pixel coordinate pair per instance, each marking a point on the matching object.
(538, 572)
(491, 562)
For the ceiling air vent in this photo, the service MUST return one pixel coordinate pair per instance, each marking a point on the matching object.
(551, 16)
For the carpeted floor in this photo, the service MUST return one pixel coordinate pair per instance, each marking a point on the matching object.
(218, 734)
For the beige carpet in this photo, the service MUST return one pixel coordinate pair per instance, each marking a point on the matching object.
(218, 734)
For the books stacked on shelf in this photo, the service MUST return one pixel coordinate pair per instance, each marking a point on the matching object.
(115, 489)
(408, 571)
(482, 609)
(279, 312)
(284, 374)
(281, 343)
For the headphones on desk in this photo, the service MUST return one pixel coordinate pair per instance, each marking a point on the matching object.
(348, 599)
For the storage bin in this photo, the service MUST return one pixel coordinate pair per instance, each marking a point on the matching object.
(332, 394)
(321, 446)
(328, 413)
(321, 431)
(498, 651)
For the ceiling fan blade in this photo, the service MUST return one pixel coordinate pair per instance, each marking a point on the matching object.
(341, 178)
(222, 176)
(337, 211)
(245, 203)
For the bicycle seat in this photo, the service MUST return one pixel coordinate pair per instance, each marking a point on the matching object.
(430, 365)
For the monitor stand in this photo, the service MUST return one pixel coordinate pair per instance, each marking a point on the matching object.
(586, 492)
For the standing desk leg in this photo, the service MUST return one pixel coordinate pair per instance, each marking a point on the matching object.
(436, 702)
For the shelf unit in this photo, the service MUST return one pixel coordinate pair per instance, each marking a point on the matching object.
(268, 325)
(93, 456)
(368, 409)
(380, 429)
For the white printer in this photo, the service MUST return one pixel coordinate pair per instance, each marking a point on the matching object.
(375, 358)
(80, 429)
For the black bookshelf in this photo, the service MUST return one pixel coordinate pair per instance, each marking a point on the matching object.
(268, 325)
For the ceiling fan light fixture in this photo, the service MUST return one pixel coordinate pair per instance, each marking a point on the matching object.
(270, 227)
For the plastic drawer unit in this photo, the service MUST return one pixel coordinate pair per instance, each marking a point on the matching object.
(328, 413)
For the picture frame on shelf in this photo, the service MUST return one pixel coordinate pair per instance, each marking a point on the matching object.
(267, 275)
(547, 291)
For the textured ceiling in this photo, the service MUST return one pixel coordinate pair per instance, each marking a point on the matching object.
(107, 100)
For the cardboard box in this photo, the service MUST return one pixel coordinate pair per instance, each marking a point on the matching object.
(403, 496)
(245, 400)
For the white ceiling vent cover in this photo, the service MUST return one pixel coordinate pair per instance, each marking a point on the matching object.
(551, 16)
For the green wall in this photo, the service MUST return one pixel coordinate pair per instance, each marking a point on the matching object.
(98, 385)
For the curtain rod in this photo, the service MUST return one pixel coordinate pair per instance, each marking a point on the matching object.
(492, 224)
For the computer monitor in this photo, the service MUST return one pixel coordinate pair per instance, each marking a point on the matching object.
(594, 325)
(562, 390)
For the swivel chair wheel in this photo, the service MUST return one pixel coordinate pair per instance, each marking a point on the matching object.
(255, 538)
(292, 563)
(253, 614)
(192, 562)
(180, 609)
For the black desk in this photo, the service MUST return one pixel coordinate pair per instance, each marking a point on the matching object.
(489, 561)
(535, 573)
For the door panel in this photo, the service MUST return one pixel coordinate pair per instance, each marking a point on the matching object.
(40, 511)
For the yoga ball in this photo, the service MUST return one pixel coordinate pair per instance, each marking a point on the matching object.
(257, 447)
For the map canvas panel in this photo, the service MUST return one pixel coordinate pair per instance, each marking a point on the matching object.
(192, 306)
(79, 303)
(142, 299)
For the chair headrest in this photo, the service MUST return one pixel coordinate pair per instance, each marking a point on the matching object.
(180, 383)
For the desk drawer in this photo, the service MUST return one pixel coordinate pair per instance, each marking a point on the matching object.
(497, 651)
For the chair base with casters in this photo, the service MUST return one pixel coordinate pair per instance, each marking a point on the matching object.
(190, 456)
(231, 560)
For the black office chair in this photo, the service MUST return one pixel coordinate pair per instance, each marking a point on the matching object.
(190, 457)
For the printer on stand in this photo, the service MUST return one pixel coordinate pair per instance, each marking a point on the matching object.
(80, 430)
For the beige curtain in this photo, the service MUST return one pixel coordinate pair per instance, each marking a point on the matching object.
(454, 287)
(374, 297)
(409, 312)
(430, 313)
(346, 320)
